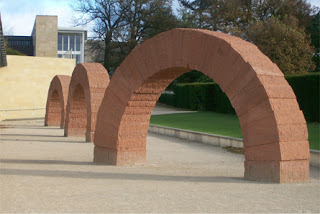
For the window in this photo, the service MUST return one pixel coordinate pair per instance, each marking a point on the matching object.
(65, 42)
(72, 42)
(69, 46)
(59, 42)
(77, 42)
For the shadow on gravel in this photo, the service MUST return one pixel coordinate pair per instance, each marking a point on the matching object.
(120, 176)
(29, 135)
(32, 127)
(20, 161)
(46, 141)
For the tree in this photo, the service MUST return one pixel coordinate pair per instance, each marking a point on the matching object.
(108, 19)
(278, 28)
(314, 30)
(123, 24)
(284, 43)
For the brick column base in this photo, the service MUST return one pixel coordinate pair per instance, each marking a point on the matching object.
(277, 171)
(75, 132)
(113, 157)
(89, 136)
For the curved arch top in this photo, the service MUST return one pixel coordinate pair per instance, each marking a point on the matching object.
(89, 80)
(274, 129)
(57, 101)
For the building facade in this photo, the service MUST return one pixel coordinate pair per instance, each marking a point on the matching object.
(49, 40)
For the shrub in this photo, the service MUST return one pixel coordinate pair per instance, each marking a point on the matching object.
(306, 88)
(210, 97)
(199, 96)
(167, 99)
(11, 51)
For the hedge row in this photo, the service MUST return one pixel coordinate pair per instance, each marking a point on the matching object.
(198, 96)
(306, 88)
(209, 96)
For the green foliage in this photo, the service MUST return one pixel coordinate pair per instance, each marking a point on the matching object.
(167, 99)
(314, 31)
(199, 96)
(306, 88)
(11, 51)
(284, 43)
(193, 76)
(209, 96)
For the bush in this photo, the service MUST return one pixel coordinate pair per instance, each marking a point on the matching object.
(306, 88)
(11, 51)
(198, 96)
(167, 99)
(209, 96)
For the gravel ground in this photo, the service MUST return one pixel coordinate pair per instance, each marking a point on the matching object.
(42, 171)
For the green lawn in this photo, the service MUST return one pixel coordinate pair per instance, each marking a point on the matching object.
(217, 123)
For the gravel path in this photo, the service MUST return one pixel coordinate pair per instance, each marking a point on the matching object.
(42, 171)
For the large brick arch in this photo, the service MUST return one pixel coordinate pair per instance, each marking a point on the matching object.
(274, 129)
(87, 87)
(57, 101)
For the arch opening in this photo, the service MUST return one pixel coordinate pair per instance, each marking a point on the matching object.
(273, 127)
(77, 118)
(55, 111)
(58, 92)
(86, 90)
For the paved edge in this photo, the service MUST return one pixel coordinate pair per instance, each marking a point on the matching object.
(215, 140)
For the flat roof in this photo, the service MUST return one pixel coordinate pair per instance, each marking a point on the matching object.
(72, 29)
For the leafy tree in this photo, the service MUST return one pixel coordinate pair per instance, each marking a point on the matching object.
(314, 30)
(284, 43)
(283, 38)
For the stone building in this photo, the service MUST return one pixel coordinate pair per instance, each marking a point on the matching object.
(49, 40)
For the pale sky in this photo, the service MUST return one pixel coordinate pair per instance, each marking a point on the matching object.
(18, 15)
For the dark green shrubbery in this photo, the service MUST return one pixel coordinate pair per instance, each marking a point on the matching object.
(209, 96)
(168, 99)
(199, 96)
(11, 51)
(306, 88)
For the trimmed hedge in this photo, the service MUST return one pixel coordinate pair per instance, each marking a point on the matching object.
(209, 96)
(306, 88)
(198, 96)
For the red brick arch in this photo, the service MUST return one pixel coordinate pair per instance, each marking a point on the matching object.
(57, 101)
(87, 87)
(274, 129)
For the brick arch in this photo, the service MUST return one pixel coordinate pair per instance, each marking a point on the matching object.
(274, 129)
(57, 101)
(87, 87)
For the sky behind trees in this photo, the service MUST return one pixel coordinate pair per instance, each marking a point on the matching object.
(18, 15)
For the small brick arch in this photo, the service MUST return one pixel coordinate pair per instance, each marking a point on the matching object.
(87, 87)
(274, 129)
(57, 101)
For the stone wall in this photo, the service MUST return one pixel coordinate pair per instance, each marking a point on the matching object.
(24, 84)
